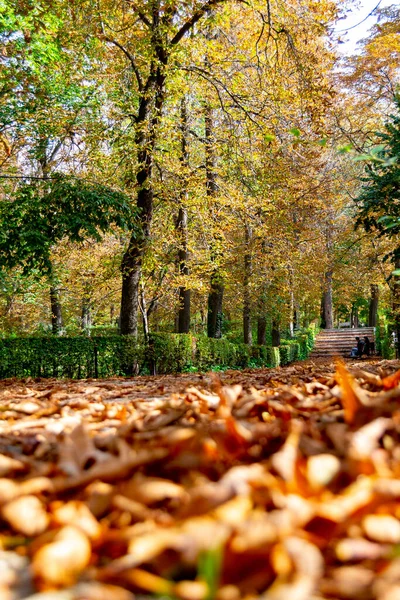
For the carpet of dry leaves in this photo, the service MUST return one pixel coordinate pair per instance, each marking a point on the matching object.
(279, 484)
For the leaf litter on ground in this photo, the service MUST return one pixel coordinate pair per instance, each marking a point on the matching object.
(272, 484)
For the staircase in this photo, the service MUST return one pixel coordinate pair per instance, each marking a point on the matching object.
(334, 342)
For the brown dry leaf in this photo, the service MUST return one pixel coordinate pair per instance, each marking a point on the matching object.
(62, 561)
(382, 528)
(77, 449)
(349, 392)
(366, 439)
(358, 549)
(265, 474)
(191, 590)
(349, 583)
(308, 569)
(77, 513)
(149, 490)
(10, 465)
(284, 461)
(26, 515)
(321, 470)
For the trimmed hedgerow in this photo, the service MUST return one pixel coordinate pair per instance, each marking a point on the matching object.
(73, 357)
(106, 356)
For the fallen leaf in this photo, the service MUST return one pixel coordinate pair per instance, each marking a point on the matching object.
(61, 562)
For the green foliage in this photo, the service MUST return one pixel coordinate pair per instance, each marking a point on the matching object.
(383, 340)
(209, 569)
(289, 352)
(170, 352)
(106, 356)
(379, 201)
(78, 357)
(43, 213)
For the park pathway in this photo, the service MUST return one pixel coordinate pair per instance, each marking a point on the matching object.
(339, 342)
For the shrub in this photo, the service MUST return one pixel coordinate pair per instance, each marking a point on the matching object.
(105, 356)
(73, 357)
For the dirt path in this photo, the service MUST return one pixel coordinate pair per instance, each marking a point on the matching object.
(274, 483)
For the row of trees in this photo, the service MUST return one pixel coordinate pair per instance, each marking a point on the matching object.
(198, 149)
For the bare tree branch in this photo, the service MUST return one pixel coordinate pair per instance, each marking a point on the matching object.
(130, 58)
(210, 4)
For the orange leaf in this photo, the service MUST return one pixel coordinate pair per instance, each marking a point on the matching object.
(391, 381)
(350, 400)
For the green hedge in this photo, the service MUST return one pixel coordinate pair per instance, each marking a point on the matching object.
(74, 357)
(106, 356)
(384, 342)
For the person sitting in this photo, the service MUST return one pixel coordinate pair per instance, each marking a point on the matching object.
(367, 346)
(358, 350)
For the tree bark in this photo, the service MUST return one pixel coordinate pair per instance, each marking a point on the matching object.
(184, 293)
(182, 230)
(149, 112)
(86, 315)
(56, 314)
(261, 330)
(396, 305)
(276, 334)
(291, 302)
(354, 316)
(373, 305)
(247, 333)
(215, 297)
(327, 302)
(262, 317)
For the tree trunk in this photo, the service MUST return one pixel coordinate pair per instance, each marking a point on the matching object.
(396, 305)
(373, 305)
(131, 270)
(276, 334)
(148, 116)
(354, 317)
(262, 318)
(327, 302)
(56, 314)
(296, 317)
(261, 330)
(215, 297)
(247, 333)
(291, 302)
(184, 293)
(86, 315)
(182, 229)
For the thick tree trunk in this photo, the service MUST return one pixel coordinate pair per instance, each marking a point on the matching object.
(327, 302)
(247, 333)
(276, 334)
(56, 314)
(147, 120)
(131, 266)
(373, 305)
(215, 297)
(261, 330)
(182, 230)
(131, 270)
